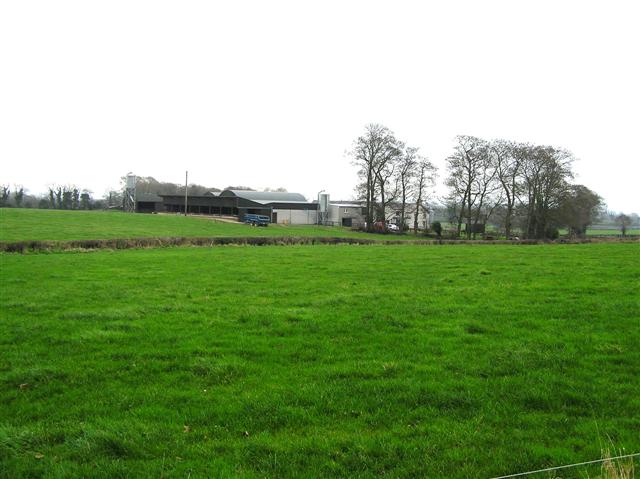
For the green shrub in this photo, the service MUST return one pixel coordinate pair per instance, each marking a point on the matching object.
(437, 228)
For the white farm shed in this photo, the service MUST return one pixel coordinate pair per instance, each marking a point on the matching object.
(345, 214)
(286, 208)
(288, 216)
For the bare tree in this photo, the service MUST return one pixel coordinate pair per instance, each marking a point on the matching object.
(52, 197)
(18, 195)
(624, 222)
(456, 201)
(406, 173)
(484, 191)
(5, 191)
(67, 198)
(508, 158)
(453, 205)
(75, 198)
(387, 179)
(85, 200)
(58, 193)
(370, 153)
(470, 180)
(114, 199)
(425, 176)
(462, 171)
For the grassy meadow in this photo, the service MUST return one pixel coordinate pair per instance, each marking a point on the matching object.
(317, 361)
(612, 232)
(20, 224)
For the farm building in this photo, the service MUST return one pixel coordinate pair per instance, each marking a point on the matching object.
(280, 207)
(284, 208)
(148, 202)
(352, 213)
(345, 213)
(393, 214)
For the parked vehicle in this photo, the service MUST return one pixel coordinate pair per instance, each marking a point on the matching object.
(256, 220)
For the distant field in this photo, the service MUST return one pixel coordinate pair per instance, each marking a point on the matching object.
(611, 232)
(31, 224)
(316, 361)
(606, 232)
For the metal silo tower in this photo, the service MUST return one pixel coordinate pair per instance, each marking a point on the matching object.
(130, 193)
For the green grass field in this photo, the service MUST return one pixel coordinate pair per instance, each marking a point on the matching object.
(612, 232)
(31, 224)
(21, 224)
(317, 361)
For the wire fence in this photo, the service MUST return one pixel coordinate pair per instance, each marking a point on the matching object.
(568, 466)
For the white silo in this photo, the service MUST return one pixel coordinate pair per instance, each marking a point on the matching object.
(323, 208)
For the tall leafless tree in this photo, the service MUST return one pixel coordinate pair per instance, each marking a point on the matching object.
(425, 177)
(18, 195)
(5, 191)
(58, 193)
(470, 179)
(485, 191)
(508, 157)
(371, 152)
(624, 221)
(386, 177)
(407, 169)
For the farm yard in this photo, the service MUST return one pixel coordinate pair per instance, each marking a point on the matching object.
(314, 361)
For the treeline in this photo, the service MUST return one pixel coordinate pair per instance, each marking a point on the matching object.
(71, 197)
(519, 185)
(390, 171)
(59, 197)
(522, 189)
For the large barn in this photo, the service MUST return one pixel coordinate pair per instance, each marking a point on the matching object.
(280, 207)
(283, 208)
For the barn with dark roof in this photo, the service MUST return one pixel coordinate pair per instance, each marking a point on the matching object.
(281, 207)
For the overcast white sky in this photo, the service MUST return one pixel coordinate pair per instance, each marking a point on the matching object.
(271, 93)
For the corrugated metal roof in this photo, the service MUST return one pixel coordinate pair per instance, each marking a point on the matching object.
(148, 198)
(265, 197)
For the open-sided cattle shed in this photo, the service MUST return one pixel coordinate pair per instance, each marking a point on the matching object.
(148, 203)
(281, 207)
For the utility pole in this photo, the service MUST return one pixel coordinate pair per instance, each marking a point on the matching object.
(186, 189)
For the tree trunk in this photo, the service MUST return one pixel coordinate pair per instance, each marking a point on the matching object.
(507, 220)
(415, 217)
(369, 216)
(402, 208)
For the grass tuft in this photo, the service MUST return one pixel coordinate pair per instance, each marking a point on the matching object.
(616, 468)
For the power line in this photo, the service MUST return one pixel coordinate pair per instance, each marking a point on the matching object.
(548, 469)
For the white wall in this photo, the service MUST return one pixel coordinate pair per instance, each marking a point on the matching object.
(296, 217)
(336, 213)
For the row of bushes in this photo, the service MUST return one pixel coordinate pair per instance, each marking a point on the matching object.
(28, 246)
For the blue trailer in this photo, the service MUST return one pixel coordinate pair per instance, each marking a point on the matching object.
(256, 220)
